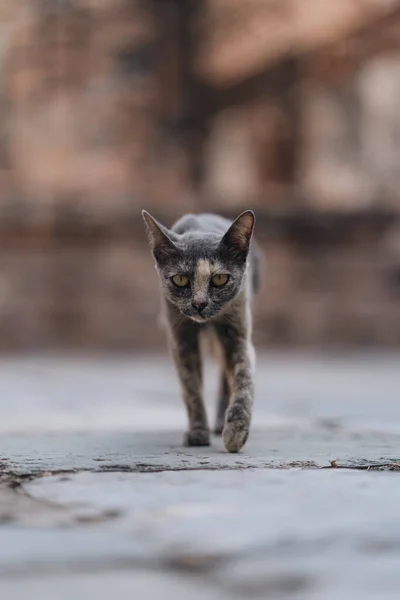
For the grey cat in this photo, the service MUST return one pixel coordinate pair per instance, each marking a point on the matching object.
(209, 270)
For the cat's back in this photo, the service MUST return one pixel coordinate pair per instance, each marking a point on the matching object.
(202, 223)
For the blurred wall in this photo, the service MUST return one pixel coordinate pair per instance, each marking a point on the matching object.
(108, 106)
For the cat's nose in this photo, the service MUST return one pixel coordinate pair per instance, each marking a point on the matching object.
(199, 306)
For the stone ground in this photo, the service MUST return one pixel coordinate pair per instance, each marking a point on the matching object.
(98, 498)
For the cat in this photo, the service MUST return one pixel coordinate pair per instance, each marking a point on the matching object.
(209, 270)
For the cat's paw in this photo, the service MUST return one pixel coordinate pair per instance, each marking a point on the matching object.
(236, 429)
(197, 437)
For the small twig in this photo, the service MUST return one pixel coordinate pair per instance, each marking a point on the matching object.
(390, 466)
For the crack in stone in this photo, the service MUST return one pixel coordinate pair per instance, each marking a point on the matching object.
(14, 478)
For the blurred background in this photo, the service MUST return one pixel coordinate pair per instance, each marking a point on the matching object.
(289, 107)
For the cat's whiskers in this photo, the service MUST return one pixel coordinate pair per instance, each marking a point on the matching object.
(231, 317)
(178, 318)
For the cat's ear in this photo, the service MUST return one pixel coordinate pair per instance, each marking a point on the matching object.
(159, 237)
(238, 236)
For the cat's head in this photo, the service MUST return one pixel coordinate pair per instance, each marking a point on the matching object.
(201, 272)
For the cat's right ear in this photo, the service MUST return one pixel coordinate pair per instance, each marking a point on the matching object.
(160, 241)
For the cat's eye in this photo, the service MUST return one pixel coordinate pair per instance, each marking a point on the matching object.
(220, 279)
(181, 280)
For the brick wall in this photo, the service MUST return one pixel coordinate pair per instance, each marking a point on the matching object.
(91, 100)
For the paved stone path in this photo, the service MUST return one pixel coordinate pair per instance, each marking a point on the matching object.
(98, 498)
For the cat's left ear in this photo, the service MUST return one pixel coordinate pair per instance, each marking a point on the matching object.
(238, 236)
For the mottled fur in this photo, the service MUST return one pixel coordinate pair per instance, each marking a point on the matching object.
(200, 247)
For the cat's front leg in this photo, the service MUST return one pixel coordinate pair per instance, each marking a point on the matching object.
(239, 364)
(223, 403)
(185, 347)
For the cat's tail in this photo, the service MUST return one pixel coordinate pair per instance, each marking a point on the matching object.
(256, 266)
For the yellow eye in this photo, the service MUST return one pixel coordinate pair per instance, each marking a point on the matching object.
(219, 280)
(181, 280)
